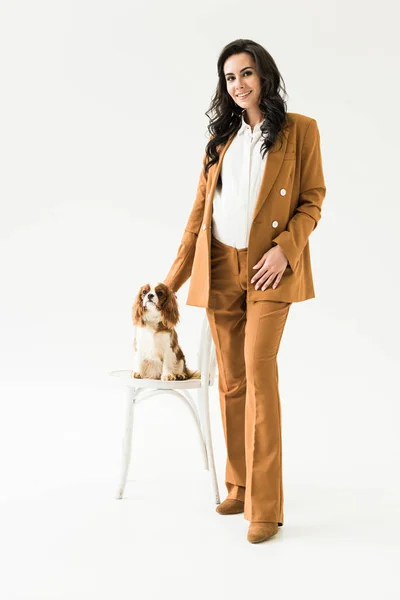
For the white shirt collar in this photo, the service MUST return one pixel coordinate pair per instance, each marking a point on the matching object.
(246, 127)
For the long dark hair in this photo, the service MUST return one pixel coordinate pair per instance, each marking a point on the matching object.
(227, 115)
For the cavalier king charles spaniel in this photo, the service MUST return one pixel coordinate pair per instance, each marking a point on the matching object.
(157, 352)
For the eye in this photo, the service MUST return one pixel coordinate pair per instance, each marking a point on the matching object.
(144, 292)
(245, 73)
(159, 293)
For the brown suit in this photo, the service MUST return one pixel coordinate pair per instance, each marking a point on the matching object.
(287, 210)
(247, 324)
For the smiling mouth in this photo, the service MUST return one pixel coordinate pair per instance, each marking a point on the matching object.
(241, 96)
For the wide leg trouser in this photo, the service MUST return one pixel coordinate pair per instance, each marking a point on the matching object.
(247, 336)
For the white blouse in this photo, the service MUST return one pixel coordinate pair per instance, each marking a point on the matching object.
(241, 173)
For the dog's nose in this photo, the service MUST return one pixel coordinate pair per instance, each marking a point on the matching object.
(150, 296)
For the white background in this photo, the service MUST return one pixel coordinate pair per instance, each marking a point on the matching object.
(103, 128)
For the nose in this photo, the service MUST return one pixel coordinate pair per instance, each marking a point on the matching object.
(150, 296)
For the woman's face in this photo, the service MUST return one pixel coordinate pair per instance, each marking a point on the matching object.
(241, 78)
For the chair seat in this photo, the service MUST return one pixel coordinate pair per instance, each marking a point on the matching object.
(124, 376)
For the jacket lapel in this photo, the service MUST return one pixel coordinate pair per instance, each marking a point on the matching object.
(272, 167)
(214, 175)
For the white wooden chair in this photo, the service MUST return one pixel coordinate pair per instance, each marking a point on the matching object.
(142, 389)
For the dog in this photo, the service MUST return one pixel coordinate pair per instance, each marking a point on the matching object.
(157, 352)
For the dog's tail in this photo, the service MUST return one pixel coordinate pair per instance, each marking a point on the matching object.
(193, 374)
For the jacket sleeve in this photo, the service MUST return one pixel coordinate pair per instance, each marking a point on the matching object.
(181, 268)
(312, 193)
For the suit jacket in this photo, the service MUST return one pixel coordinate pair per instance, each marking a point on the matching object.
(287, 210)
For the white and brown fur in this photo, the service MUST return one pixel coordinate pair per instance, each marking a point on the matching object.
(157, 352)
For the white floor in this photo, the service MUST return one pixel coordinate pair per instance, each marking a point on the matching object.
(165, 540)
(64, 536)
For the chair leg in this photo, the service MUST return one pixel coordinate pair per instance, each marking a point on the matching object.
(131, 394)
(205, 418)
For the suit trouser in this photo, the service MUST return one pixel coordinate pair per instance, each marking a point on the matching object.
(247, 336)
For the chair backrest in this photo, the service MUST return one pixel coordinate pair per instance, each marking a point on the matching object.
(206, 354)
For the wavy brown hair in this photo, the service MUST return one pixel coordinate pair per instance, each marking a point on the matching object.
(227, 115)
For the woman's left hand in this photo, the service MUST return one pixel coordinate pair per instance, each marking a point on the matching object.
(271, 267)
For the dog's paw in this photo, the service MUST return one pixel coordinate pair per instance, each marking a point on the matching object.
(136, 375)
(168, 377)
(181, 377)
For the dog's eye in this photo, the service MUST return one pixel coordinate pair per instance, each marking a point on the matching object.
(144, 292)
(159, 293)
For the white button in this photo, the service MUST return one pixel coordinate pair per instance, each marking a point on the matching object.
(204, 226)
(283, 191)
(274, 223)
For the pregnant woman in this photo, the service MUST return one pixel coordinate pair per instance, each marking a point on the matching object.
(246, 250)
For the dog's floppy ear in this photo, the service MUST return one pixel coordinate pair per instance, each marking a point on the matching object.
(169, 308)
(138, 308)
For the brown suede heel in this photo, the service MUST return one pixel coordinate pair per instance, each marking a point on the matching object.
(259, 532)
(230, 507)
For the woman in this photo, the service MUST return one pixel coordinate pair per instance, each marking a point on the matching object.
(246, 248)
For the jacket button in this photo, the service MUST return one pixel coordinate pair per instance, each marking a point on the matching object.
(204, 226)
(274, 223)
(283, 192)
